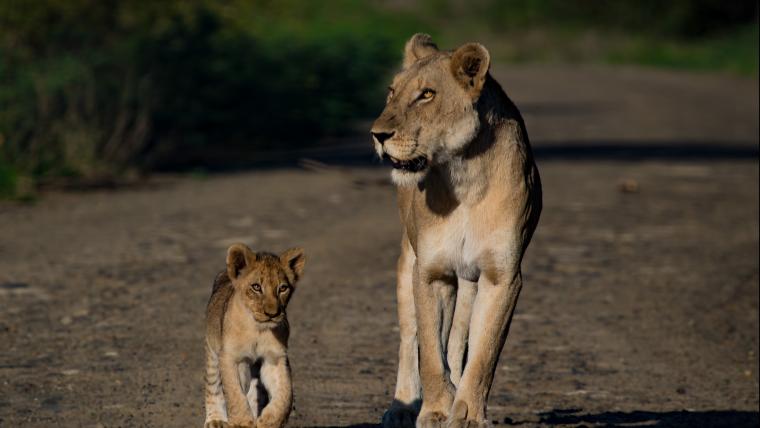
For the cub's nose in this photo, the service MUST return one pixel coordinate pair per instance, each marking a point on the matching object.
(272, 312)
(382, 136)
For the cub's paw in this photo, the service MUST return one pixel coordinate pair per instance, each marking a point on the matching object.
(431, 420)
(215, 424)
(459, 417)
(399, 416)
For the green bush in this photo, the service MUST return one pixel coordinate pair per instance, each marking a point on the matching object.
(92, 88)
(7, 180)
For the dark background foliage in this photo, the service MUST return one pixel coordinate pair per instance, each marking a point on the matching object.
(95, 89)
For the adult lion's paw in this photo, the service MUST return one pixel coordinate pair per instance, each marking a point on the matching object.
(399, 416)
(268, 420)
(467, 423)
(243, 424)
(459, 417)
(431, 420)
(215, 424)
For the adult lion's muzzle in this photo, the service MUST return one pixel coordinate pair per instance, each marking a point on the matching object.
(381, 137)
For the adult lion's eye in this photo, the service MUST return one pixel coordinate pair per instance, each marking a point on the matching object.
(256, 288)
(284, 288)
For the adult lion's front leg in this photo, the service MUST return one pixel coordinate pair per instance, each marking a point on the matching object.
(492, 313)
(432, 301)
(408, 396)
(460, 329)
(437, 307)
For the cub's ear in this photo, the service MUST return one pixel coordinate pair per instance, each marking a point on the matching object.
(294, 259)
(238, 257)
(418, 47)
(469, 65)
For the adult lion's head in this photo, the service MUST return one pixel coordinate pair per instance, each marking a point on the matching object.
(430, 114)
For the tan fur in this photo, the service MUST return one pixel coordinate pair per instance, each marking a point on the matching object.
(247, 339)
(469, 198)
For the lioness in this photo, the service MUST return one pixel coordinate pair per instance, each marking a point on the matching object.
(247, 339)
(469, 197)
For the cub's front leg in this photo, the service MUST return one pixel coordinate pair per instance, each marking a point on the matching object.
(216, 409)
(237, 403)
(275, 375)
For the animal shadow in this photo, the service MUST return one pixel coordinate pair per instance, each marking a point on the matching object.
(672, 419)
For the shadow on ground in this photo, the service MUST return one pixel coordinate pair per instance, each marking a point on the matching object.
(355, 151)
(674, 419)
(633, 150)
(352, 152)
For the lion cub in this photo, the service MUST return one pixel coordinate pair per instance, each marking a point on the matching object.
(247, 370)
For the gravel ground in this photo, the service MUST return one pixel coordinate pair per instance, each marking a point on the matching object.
(640, 304)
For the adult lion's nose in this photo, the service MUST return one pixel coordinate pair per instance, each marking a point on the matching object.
(380, 137)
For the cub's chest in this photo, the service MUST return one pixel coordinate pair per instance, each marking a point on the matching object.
(247, 339)
(256, 345)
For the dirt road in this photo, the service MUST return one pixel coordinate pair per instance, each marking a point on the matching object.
(640, 303)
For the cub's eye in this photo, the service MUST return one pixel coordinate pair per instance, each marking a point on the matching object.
(284, 288)
(256, 288)
(427, 94)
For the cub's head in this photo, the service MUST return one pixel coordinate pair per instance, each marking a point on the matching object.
(430, 114)
(264, 280)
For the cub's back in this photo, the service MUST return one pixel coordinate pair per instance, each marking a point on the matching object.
(221, 293)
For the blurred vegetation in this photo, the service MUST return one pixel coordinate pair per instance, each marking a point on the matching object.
(679, 18)
(96, 89)
(93, 89)
(710, 35)
(733, 51)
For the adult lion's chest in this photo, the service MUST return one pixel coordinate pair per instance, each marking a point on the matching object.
(450, 247)
(463, 243)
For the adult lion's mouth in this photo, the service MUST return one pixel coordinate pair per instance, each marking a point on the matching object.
(412, 165)
(265, 319)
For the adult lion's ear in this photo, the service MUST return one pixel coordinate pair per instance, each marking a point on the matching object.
(294, 259)
(469, 65)
(238, 257)
(418, 47)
